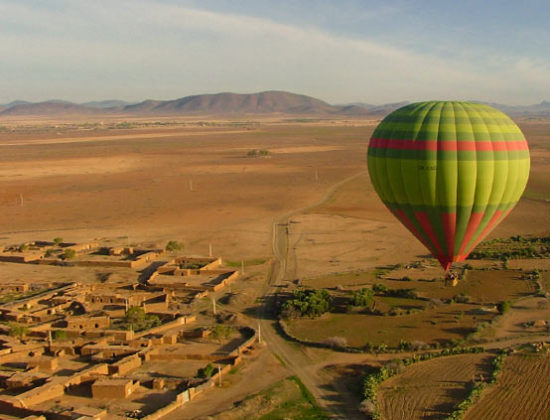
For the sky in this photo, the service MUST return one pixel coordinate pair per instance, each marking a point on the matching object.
(340, 51)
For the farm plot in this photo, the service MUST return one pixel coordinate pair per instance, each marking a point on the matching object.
(439, 324)
(521, 392)
(481, 286)
(431, 389)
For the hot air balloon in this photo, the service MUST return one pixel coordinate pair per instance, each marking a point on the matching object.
(449, 171)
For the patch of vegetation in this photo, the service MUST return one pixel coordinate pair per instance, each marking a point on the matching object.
(307, 302)
(372, 382)
(221, 331)
(504, 307)
(478, 387)
(237, 264)
(59, 335)
(69, 254)
(172, 246)
(207, 371)
(513, 247)
(57, 241)
(363, 297)
(137, 320)
(257, 153)
(17, 330)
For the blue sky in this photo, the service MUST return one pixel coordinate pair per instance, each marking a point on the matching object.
(340, 51)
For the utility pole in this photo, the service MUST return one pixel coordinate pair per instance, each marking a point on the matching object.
(210, 249)
(259, 333)
(214, 305)
(220, 374)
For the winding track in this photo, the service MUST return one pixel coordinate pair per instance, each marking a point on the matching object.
(335, 402)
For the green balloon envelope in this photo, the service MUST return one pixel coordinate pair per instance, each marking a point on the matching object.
(449, 171)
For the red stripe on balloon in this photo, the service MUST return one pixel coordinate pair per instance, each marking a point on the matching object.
(400, 214)
(449, 226)
(473, 223)
(492, 223)
(449, 145)
(424, 221)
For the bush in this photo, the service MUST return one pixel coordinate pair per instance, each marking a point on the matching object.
(59, 335)
(207, 371)
(174, 246)
(137, 320)
(18, 330)
(57, 241)
(504, 306)
(461, 298)
(220, 331)
(379, 288)
(363, 297)
(69, 254)
(307, 302)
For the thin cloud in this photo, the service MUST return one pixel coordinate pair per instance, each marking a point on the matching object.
(137, 49)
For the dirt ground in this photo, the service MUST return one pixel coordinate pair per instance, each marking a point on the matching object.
(431, 389)
(520, 393)
(145, 182)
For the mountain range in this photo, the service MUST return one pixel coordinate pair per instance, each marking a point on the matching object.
(269, 102)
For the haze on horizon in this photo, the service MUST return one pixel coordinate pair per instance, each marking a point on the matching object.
(341, 52)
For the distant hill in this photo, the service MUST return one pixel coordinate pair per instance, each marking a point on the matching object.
(109, 103)
(48, 108)
(269, 102)
(235, 103)
(540, 110)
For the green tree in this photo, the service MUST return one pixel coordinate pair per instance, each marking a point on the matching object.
(363, 297)
(307, 302)
(57, 241)
(69, 254)
(504, 306)
(59, 335)
(174, 246)
(207, 371)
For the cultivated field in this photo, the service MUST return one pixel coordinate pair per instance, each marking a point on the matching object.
(431, 389)
(521, 391)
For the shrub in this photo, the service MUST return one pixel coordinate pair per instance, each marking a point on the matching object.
(363, 297)
(69, 254)
(137, 320)
(307, 302)
(207, 371)
(59, 335)
(57, 241)
(220, 331)
(504, 306)
(174, 246)
(18, 330)
(379, 288)
(461, 298)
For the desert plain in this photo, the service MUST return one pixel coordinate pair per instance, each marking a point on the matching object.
(288, 201)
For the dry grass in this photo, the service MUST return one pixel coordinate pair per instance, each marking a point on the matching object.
(436, 325)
